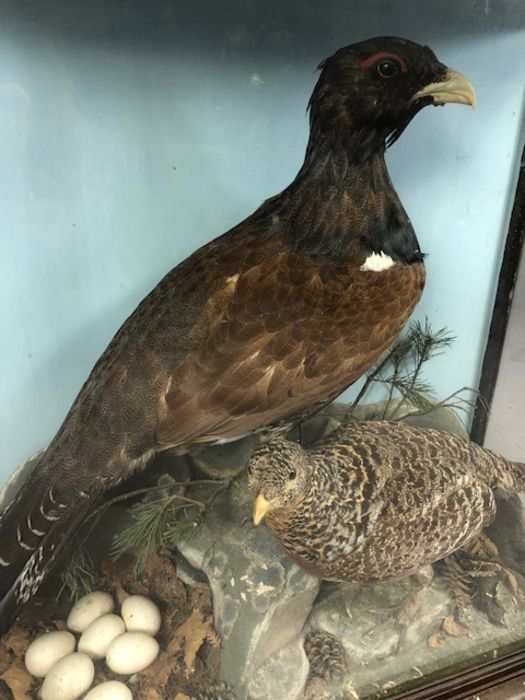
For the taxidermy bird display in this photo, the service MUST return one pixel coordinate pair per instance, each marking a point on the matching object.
(377, 500)
(260, 327)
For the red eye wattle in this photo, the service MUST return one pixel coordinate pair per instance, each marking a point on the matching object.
(384, 55)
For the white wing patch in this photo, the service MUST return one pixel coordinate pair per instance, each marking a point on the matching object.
(377, 262)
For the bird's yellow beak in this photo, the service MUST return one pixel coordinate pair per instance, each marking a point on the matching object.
(455, 88)
(261, 506)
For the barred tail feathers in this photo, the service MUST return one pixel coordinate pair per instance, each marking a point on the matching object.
(34, 529)
(503, 473)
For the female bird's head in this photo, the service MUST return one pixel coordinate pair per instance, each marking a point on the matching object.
(371, 90)
(278, 473)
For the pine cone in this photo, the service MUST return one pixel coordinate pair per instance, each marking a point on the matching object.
(216, 691)
(325, 654)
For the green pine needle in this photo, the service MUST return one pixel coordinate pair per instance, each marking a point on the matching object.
(79, 576)
(144, 534)
(180, 529)
(156, 522)
(400, 371)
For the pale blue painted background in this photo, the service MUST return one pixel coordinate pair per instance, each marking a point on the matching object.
(131, 133)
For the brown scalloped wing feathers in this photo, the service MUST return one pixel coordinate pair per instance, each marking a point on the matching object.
(282, 336)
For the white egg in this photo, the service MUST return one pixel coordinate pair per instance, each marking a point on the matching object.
(88, 609)
(131, 652)
(69, 678)
(140, 615)
(111, 690)
(45, 651)
(96, 639)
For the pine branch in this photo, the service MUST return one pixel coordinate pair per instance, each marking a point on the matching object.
(142, 534)
(407, 358)
(453, 400)
(374, 376)
(79, 577)
(428, 344)
(148, 489)
(372, 413)
(145, 534)
(180, 529)
(162, 521)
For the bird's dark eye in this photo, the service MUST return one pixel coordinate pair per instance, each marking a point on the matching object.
(292, 473)
(388, 67)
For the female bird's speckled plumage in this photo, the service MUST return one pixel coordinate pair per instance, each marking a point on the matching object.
(259, 327)
(377, 500)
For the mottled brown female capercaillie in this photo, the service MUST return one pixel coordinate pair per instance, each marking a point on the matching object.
(377, 500)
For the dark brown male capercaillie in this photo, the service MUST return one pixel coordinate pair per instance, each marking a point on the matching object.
(258, 328)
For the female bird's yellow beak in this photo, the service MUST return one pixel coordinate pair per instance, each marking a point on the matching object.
(455, 88)
(261, 506)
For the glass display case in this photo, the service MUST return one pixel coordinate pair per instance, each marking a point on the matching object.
(132, 134)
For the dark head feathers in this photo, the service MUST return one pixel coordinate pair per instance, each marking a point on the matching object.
(371, 90)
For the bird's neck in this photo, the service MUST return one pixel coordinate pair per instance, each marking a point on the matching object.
(342, 204)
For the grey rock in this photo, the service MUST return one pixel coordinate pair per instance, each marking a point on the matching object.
(319, 426)
(317, 689)
(283, 674)
(260, 597)
(363, 618)
(171, 473)
(186, 572)
(224, 461)
(441, 418)
(508, 530)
